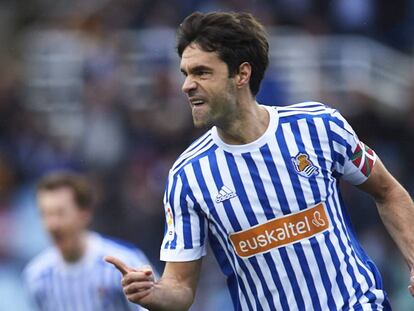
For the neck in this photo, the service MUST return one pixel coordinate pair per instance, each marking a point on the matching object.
(248, 125)
(77, 250)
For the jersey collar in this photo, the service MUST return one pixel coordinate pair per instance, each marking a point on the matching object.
(254, 145)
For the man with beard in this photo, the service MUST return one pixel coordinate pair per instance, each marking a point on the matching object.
(72, 275)
(262, 187)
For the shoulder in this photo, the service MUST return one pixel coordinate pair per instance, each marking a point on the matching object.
(200, 148)
(308, 109)
(41, 265)
(125, 251)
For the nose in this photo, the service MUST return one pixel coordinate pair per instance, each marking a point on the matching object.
(188, 85)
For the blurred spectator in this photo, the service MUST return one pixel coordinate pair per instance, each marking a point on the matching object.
(353, 15)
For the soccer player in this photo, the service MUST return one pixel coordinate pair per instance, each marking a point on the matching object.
(262, 186)
(72, 275)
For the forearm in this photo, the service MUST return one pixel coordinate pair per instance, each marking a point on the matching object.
(175, 291)
(396, 209)
(168, 295)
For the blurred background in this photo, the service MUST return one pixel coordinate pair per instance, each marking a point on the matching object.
(94, 86)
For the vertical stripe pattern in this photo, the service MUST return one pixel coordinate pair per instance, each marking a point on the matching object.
(91, 284)
(217, 190)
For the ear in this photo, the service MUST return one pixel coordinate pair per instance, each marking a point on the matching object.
(243, 76)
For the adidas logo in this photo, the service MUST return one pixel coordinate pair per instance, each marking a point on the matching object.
(224, 194)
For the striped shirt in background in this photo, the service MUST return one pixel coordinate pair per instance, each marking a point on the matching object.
(90, 284)
(273, 214)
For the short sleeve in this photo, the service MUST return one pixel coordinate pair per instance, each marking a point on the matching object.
(353, 160)
(185, 224)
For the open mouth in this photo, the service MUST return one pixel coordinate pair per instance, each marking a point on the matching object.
(196, 102)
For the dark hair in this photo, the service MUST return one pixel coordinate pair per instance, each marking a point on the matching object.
(82, 190)
(236, 37)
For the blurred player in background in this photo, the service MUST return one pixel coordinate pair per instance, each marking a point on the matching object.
(72, 275)
(262, 185)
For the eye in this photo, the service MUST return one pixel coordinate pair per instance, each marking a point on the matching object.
(202, 73)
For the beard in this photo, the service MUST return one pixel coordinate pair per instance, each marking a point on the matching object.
(219, 110)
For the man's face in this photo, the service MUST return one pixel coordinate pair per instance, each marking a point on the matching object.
(61, 217)
(210, 91)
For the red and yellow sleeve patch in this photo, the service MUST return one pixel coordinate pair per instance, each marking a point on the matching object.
(364, 158)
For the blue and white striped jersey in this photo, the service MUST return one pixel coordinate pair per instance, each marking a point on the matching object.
(273, 214)
(90, 284)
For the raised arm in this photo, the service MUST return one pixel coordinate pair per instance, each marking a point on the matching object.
(175, 290)
(396, 209)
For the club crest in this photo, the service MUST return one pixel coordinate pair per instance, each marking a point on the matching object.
(304, 166)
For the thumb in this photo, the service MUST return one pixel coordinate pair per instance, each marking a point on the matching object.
(120, 265)
(147, 270)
